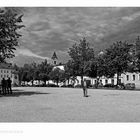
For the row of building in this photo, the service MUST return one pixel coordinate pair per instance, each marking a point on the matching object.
(124, 78)
(7, 70)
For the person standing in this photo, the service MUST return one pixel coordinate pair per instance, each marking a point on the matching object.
(9, 86)
(85, 88)
(3, 83)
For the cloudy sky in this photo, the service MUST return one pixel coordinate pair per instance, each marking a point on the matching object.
(56, 29)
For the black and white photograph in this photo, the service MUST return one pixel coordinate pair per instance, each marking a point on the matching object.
(70, 64)
(70, 71)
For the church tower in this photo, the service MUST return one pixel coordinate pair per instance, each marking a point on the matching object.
(54, 59)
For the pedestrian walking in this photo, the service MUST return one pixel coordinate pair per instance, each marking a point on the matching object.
(3, 83)
(9, 86)
(85, 88)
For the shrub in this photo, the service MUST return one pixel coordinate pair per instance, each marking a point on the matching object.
(78, 86)
(109, 85)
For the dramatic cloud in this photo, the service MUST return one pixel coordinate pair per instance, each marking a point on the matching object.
(56, 29)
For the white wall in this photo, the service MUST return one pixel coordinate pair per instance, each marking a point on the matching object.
(131, 80)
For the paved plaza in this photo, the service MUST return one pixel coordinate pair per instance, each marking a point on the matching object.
(42, 104)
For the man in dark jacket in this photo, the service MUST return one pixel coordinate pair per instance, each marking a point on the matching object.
(85, 88)
(9, 87)
(3, 83)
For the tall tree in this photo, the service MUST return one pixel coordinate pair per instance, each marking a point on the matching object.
(81, 57)
(9, 36)
(135, 53)
(57, 75)
(45, 68)
(70, 72)
(98, 68)
(117, 59)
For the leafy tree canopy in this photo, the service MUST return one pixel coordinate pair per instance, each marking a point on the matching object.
(10, 23)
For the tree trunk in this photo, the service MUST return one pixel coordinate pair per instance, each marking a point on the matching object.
(97, 82)
(39, 82)
(45, 82)
(19, 82)
(32, 82)
(57, 82)
(117, 78)
(82, 81)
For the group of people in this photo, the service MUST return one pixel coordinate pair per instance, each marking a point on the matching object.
(6, 86)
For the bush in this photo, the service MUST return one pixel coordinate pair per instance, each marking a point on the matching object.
(71, 86)
(64, 86)
(109, 86)
(52, 85)
(78, 86)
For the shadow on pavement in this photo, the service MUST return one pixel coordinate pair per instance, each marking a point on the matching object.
(17, 93)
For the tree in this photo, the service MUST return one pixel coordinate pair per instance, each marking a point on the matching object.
(98, 68)
(9, 36)
(135, 53)
(32, 72)
(81, 58)
(22, 72)
(70, 72)
(57, 75)
(117, 59)
(44, 71)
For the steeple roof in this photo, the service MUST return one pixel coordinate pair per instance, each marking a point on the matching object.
(54, 56)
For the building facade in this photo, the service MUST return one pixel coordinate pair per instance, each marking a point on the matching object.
(131, 78)
(7, 71)
(124, 78)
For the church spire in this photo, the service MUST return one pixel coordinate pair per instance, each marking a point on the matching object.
(54, 56)
(54, 59)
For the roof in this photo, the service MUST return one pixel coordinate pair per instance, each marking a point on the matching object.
(61, 67)
(6, 66)
(54, 56)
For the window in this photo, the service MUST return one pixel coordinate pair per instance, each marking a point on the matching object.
(106, 81)
(4, 75)
(7, 71)
(1, 71)
(4, 71)
(133, 77)
(127, 77)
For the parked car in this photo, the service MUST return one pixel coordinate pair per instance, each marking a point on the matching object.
(130, 86)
